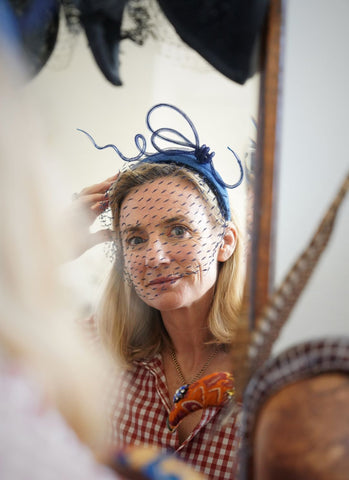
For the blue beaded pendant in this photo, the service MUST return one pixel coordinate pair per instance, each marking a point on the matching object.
(180, 392)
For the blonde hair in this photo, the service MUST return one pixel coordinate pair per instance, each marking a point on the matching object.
(133, 330)
(37, 329)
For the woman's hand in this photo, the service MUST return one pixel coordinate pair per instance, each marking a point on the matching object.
(83, 211)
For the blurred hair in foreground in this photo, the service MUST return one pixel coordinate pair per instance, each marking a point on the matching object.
(38, 333)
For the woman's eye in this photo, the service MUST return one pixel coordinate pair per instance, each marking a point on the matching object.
(178, 231)
(134, 241)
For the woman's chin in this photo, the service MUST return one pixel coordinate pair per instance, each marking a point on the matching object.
(165, 300)
(178, 295)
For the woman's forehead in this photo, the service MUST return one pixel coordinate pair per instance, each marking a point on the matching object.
(163, 198)
(174, 184)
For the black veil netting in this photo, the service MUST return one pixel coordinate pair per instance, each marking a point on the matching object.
(224, 32)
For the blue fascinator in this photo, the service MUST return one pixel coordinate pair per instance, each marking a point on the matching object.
(188, 154)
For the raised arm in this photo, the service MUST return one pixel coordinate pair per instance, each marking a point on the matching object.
(83, 211)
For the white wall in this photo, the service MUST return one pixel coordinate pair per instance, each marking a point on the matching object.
(72, 93)
(314, 161)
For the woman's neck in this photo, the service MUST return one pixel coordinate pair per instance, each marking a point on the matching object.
(188, 330)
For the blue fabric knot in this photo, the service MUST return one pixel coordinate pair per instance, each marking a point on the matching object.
(203, 154)
(188, 153)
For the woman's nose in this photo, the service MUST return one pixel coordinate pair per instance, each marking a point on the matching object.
(156, 253)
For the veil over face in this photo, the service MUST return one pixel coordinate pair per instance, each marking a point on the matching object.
(170, 240)
(176, 243)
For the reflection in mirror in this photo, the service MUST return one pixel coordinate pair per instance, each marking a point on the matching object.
(174, 285)
(72, 93)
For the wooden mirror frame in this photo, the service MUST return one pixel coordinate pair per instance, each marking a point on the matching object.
(260, 269)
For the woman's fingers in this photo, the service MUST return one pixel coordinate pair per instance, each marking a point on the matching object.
(93, 205)
(102, 187)
(98, 188)
(94, 198)
(83, 211)
(113, 178)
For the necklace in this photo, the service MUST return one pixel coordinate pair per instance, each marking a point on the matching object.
(199, 374)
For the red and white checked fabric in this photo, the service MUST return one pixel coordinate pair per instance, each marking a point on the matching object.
(139, 412)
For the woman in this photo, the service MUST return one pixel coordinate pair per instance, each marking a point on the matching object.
(52, 423)
(170, 308)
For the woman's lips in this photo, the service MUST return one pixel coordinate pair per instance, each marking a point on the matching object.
(163, 280)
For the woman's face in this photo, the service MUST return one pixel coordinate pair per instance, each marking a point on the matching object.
(170, 243)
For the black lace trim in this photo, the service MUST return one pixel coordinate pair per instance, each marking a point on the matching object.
(141, 18)
(141, 26)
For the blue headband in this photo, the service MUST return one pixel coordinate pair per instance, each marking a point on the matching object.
(192, 156)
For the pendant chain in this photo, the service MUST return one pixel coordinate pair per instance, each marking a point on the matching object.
(200, 373)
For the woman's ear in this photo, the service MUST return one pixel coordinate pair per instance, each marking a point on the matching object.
(228, 244)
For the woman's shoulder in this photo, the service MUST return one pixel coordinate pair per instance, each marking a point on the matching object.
(139, 373)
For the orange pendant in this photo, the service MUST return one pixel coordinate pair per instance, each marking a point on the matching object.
(213, 390)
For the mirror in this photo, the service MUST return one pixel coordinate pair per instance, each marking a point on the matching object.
(72, 93)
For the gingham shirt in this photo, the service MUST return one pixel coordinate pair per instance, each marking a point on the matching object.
(139, 417)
